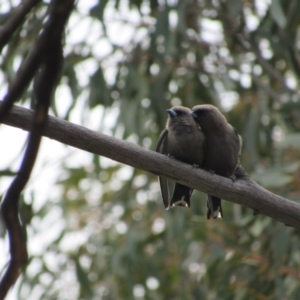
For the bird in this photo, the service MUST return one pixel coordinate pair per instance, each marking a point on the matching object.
(182, 139)
(222, 149)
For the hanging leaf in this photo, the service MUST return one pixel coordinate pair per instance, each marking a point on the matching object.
(278, 14)
(99, 90)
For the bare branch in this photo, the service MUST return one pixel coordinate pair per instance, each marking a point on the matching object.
(29, 67)
(244, 191)
(44, 87)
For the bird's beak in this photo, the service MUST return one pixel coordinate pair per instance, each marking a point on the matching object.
(194, 115)
(172, 113)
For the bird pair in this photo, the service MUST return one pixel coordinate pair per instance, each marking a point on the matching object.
(201, 137)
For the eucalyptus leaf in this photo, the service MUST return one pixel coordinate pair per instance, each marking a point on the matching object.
(277, 13)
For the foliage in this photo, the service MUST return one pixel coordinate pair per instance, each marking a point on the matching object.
(108, 236)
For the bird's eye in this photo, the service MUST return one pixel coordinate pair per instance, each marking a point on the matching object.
(199, 112)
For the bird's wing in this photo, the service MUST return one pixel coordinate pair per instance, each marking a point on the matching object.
(203, 150)
(159, 147)
(163, 180)
(240, 140)
(240, 144)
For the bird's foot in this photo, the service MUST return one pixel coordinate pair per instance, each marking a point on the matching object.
(195, 166)
(180, 203)
(212, 172)
(240, 173)
(171, 156)
(233, 179)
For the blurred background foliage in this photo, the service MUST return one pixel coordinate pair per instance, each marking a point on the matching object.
(102, 232)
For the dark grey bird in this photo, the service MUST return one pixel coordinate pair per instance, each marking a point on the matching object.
(222, 148)
(183, 140)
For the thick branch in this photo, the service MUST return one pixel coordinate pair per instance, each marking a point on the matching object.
(244, 192)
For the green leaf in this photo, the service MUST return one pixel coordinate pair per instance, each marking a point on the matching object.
(292, 140)
(99, 90)
(86, 290)
(278, 14)
(272, 178)
(97, 11)
(259, 226)
(291, 168)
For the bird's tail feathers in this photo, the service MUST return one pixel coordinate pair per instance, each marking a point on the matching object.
(181, 196)
(214, 208)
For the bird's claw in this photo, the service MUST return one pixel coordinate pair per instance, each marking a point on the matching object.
(233, 179)
(212, 172)
(195, 166)
(180, 203)
(240, 173)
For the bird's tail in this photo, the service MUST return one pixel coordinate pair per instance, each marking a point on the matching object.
(181, 196)
(214, 207)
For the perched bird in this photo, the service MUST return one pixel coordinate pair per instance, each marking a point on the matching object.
(222, 148)
(183, 140)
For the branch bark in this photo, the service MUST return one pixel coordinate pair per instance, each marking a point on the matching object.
(244, 191)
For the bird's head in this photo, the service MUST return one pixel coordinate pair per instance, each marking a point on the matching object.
(172, 113)
(208, 116)
(180, 115)
(179, 111)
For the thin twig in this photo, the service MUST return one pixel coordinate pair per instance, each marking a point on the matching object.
(15, 21)
(28, 69)
(44, 87)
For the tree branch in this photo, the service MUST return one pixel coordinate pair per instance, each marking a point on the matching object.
(15, 21)
(31, 64)
(244, 191)
(44, 87)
